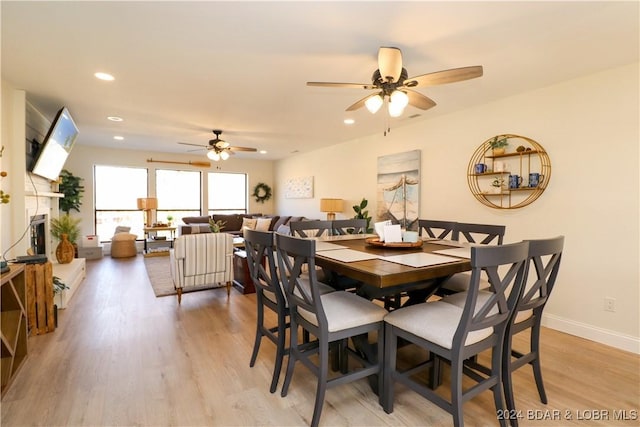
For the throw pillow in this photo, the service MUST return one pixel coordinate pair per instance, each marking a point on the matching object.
(122, 229)
(249, 223)
(263, 224)
(284, 229)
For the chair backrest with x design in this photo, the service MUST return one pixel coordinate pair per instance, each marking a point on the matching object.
(313, 228)
(483, 234)
(436, 229)
(342, 227)
(261, 261)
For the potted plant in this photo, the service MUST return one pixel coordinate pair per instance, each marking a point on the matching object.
(498, 145)
(169, 219)
(362, 214)
(72, 190)
(216, 226)
(496, 185)
(58, 287)
(65, 228)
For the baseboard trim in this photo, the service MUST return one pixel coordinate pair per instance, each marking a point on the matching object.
(593, 333)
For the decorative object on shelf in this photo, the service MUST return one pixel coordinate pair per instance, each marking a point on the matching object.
(169, 220)
(499, 144)
(261, 192)
(363, 214)
(66, 225)
(70, 186)
(530, 161)
(496, 185)
(65, 251)
(216, 226)
(147, 204)
(331, 206)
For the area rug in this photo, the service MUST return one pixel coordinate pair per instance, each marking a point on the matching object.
(159, 272)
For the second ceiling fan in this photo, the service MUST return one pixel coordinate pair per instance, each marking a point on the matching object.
(391, 83)
(219, 148)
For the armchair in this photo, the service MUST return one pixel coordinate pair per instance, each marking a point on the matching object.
(202, 261)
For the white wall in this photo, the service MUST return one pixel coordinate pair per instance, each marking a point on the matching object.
(83, 158)
(590, 129)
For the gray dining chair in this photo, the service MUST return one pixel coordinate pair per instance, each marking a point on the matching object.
(259, 246)
(341, 227)
(456, 334)
(542, 271)
(332, 318)
(311, 228)
(436, 229)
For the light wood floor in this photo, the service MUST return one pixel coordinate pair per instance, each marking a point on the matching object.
(120, 356)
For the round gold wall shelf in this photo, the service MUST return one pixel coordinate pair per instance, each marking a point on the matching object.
(523, 191)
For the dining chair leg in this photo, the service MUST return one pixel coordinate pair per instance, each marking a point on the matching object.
(259, 334)
(390, 356)
(323, 376)
(507, 379)
(537, 369)
(456, 392)
(280, 352)
(496, 369)
(293, 331)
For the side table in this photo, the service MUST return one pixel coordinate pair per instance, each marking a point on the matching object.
(241, 276)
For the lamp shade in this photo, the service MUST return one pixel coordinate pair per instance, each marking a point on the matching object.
(145, 203)
(330, 205)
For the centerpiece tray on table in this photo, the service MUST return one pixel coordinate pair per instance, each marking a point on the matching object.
(375, 241)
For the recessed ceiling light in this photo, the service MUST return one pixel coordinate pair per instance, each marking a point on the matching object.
(118, 137)
(104, 76)
(263, 151)
(349, 121)
(115, 118)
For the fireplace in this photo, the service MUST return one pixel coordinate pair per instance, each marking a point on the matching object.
(38, 234)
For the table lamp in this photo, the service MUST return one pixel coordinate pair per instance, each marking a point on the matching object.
(331, 206)
(147, 204)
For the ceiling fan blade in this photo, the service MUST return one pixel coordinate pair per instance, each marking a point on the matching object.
(195, 145)
(241, 149)
(343, 85)
(360, 103)
(390, 63)
(419, 100)
(445, 76)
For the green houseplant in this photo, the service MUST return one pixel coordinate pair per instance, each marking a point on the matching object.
(216, 226)
(66, 224)
(363, 214)
(498, 144)
(70, 186)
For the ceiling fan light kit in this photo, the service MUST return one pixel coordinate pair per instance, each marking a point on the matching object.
(392, 83)
(219, 149)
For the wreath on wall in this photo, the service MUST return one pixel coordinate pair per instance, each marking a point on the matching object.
(262, 192)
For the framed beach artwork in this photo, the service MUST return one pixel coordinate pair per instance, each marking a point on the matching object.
(398, 189)
(299, 188)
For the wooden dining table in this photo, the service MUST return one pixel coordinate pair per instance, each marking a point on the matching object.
(390, 276)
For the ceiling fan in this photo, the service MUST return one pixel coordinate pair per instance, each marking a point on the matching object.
(219, 148)
(391, 83)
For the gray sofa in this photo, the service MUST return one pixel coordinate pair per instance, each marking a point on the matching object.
(233, 222)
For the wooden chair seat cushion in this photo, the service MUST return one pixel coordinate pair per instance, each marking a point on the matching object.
(345, 310)
(436, 322)
(460, 282)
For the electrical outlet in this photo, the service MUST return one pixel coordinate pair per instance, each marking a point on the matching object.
(609, 304)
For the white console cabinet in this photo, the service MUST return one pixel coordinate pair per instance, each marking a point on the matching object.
(72, 275)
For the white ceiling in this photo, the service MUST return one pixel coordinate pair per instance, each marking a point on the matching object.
(184, 68)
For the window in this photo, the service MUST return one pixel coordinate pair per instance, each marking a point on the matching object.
(227, 193)
(178, 194)
(116, 192)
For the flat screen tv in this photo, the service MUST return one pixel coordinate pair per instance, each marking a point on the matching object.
(56, 146)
